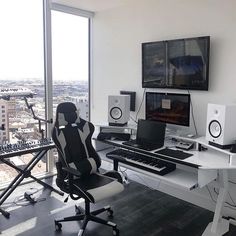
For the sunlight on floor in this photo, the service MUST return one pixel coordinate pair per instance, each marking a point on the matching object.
(21, 228)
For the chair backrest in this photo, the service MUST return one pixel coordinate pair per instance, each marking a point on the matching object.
(72, 137)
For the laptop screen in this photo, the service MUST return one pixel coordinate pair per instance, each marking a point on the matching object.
(152, 132)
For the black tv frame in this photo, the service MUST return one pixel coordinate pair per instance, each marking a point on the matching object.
(187, 124)
(164, 70)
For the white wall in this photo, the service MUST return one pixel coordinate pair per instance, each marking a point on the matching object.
(117, 38)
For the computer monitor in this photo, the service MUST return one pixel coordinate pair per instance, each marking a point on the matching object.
(170, 108)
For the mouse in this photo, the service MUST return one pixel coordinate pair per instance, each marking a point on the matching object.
(233, 148)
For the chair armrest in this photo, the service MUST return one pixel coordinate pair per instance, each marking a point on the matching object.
(72, 171)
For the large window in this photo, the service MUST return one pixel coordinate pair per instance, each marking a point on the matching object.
(24, 65)
(70, 60)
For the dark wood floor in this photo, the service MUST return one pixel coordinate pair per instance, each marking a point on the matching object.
(138, 211)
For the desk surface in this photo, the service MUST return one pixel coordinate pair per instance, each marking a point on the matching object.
(195, 171)
(209, 159)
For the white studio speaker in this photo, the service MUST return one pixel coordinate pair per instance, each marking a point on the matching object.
(221, 125)
(118, 109)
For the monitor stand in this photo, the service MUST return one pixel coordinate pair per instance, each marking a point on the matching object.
(174, 130)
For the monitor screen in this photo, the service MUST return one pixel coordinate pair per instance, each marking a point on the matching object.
(150, 131)
(170, 108)
(179, 63)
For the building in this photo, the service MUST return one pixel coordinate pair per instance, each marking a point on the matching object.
(4, 121)
(82, 104)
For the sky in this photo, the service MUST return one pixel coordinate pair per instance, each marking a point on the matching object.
(21, 42)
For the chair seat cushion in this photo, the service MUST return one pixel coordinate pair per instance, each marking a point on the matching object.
(98, 187)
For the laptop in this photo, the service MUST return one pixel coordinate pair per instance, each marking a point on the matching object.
(150, 135)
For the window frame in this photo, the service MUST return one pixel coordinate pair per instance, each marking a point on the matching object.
(48, 8)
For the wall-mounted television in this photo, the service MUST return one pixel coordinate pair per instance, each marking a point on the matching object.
(170, 108)
(178, 64)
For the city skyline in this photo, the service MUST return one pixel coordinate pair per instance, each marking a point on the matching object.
(18, 118)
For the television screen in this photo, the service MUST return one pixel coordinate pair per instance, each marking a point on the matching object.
(180, 64)
(170, 108)
(154, 64)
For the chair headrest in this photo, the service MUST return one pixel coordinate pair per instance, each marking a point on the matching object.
(67, 113)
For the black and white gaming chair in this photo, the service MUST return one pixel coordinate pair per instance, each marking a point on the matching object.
(77, 167)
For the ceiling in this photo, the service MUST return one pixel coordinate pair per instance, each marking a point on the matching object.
(92, 5)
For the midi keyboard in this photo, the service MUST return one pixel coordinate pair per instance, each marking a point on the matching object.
(141, 161)
(21, 148)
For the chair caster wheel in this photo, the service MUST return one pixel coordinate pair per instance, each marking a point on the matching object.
(116, 232)
(58, 226)
(110, 213)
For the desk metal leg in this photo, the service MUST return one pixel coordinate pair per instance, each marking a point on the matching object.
(115, 164)
(45, 185)
(219, 226)
(23, 173)
(5, 213)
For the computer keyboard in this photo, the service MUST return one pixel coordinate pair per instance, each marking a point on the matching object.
(178, 154)
(142, 161)
(144, 146)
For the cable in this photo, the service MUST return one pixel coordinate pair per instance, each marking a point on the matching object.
(133, 119)
(124, 174)
(232, 206)
(145, 183)
(27, 199)
(232, 199)
(231, 182)
(140, 105)
(210, 194)
(194, 123)
(122, 171)
(36, 190)
(22, 199)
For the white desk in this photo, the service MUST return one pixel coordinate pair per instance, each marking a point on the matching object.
(207, 166)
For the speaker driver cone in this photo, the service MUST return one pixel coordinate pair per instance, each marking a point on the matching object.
(214, 128)
(116, 113)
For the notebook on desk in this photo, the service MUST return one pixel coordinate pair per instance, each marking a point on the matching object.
(150, 135)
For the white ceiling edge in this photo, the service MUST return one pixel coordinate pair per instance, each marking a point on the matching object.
(92, 5)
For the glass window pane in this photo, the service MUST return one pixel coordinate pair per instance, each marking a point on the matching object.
(22, 67)
(70, 60)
